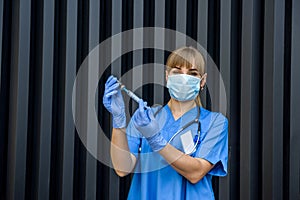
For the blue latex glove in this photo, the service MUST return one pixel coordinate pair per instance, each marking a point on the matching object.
(114, 103)
(145, 122)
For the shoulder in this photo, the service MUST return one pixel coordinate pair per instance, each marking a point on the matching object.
(213, 118)
(208, 113)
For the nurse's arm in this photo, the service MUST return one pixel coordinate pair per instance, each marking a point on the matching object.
(122, 160)
(193, 169)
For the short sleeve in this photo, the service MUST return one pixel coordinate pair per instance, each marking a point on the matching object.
(214, 145)
(133, 138)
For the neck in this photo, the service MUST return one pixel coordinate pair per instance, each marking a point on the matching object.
(178, 108)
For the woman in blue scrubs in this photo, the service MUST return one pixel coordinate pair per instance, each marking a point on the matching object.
(174, 150)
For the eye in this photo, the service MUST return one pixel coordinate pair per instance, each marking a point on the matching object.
(194, 74)
(176, 71)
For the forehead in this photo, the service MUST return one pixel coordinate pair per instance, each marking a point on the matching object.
(181, 63)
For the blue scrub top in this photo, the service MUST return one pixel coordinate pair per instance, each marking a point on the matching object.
(154, 178)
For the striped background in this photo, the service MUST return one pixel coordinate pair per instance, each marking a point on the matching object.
(255, 43)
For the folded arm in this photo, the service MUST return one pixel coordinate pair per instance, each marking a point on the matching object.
(122, 160)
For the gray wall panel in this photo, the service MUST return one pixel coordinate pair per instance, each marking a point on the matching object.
(273, 101)
(278, 99)
(202, 23)
(114, 191)
(181, 13)
(46, 101)
(246, 74)
(255, 44)
(69, 129)
(295, 108)
(1, 32)
(225, 50)
(17, 137)
(91, 162)
(159, 77)
(268, 103)
(137, 56)
(202, 31)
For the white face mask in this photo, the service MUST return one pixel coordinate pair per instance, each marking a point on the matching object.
(183, 87)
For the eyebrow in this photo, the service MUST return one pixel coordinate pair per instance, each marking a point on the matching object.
(177, 67)
(191, 69)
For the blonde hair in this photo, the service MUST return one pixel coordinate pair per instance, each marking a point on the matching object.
(187, 57)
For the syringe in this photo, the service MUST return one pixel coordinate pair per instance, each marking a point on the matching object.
(128, 92)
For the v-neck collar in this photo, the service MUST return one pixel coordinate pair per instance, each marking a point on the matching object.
(171, 114)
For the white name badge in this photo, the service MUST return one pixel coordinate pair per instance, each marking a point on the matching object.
(187, 142)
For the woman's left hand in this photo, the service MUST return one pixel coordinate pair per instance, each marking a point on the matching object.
(144, 121)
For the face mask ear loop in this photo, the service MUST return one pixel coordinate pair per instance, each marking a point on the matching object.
(201, 88)
(201, 78)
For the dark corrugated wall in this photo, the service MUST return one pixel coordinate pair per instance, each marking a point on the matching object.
(255, 43)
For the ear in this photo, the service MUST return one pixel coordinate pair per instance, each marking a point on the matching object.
(203, 81)
(167, 74)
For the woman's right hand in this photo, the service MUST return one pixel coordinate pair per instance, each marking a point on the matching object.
(114, 103)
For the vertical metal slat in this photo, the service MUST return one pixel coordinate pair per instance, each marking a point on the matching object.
(245, 127)
(268, 130)
(1, 31)
(114, 181)
(91, 162)
(46, 101)
(159, 71)
(181, 10)
(225, 52)
(17, 138)
(295, 108)
(202, 34)
(272, 126)
(278, 98)
(69, 130)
